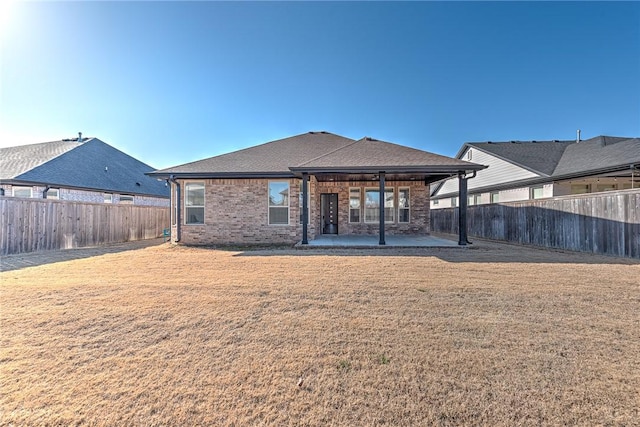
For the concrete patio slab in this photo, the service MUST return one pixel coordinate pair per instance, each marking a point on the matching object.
(355, 241)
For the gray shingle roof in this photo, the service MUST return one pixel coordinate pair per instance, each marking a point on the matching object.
(598, 153)
(18, 160)
(560, 158)
(541, 157)
(80, 165)
(312, 151)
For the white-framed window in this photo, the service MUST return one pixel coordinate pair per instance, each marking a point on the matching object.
(26, 192)
(308, 202)
(436, 202)
(372, 205)
(278, 203)
(108, 197)
(537, 192)
(355, 204)
(495, 197)
(126, 199)
(403, 204)
(475, 199)
(194, 203)
(579, 188)
(454, 201)
(53, 193)
(469, 155)
(606, 187)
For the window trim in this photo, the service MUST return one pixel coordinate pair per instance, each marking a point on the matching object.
(494, 193)
(204, 202)
(104, 197)
(454, 201)
(407, 208)
(360, 219)
(282, 207)
(20, 187)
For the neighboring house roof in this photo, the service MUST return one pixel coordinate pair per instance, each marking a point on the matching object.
(599, 153)
(557, 160)
(540, 157)
(15, 161)
(91, 164)
(318, 152)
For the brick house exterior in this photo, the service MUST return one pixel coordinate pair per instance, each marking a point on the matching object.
(254, 196)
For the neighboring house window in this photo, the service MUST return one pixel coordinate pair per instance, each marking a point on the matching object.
(469, 155)
(125, 199)
(25, 192)
(495, 197)
(372, 205)
(579, 188)
(403, 204)
(354, 205)
(537, 192)
(606, 187)
(278, 203)
(53, 193)
(194, 203)
(454, 202)
(108, 197)
(308, 202)
(436, 202)
(472, 200)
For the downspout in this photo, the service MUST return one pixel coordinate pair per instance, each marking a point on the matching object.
(44, 193)
(172, 179)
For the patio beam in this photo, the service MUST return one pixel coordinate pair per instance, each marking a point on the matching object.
(381, 180)
(305, 208)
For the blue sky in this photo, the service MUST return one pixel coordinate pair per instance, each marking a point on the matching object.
(172, 82)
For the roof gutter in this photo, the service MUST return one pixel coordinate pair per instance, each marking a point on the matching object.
(439, 169)
(540, 180)
(172, 179)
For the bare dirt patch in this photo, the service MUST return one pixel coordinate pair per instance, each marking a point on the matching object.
(497, 335)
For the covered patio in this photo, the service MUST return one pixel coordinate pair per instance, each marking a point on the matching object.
(378, 162)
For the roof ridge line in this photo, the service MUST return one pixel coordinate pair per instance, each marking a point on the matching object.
(330, 152)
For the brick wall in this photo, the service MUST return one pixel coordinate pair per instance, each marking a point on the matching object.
(236, 212)
(418, 212)
(87, 195)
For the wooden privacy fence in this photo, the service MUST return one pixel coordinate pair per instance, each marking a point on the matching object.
(604, 223)
(29, 225)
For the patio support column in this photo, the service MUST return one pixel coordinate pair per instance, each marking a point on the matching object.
(305, 208)
(462, 210)
(382, 242)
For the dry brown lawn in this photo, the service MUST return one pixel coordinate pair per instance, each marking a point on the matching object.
(495, 335)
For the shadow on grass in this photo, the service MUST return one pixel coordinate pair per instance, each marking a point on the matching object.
(480, 251)
(34, 259)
